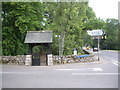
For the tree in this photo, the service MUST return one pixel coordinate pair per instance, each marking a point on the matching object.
(18, 18)
(67, 19)
(70, 20)
(111, 28)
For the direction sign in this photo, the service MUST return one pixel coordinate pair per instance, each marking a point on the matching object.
(97, 37)
(98, 32)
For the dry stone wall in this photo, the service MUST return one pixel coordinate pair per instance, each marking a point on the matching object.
(20, 59)
(27, 59)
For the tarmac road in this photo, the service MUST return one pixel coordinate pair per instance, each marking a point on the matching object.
(99, 74)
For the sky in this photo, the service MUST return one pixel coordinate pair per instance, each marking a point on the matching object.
(105, 8)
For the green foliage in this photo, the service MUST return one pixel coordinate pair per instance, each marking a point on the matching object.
(18, 18)
(71, 20)
(111, 28)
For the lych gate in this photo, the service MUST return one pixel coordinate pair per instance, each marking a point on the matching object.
(42, 38)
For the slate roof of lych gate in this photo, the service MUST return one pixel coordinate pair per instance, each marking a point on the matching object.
(39, 37)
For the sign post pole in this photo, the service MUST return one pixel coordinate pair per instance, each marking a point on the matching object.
(97, 34)
(98, 45)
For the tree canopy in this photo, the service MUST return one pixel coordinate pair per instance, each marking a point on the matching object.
(69, 20)
(111, 28)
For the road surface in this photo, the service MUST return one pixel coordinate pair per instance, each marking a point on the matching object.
(99, 74)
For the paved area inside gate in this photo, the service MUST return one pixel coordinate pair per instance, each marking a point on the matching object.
(99, 74)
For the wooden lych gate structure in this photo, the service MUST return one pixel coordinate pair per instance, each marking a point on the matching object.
(41, 38)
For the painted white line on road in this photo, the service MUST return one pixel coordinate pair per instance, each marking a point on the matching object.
(95, 73)
(80, 69)
(25, 73)
(64, 69)
(115, 63)
(97, 69)
(74, 69)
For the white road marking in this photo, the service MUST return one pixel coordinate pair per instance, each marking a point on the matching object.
(72, 73)
(25, 73)
(115, 63)
(95, 73)
(74, 69)
(80, 69)
(64, 69)
(97, 69)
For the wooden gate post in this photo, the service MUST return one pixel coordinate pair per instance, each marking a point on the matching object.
(30, 49)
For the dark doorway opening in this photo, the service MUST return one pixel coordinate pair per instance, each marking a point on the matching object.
(36, 59)
(39, 56)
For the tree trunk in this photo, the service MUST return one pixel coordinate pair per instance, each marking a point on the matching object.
(62, 40)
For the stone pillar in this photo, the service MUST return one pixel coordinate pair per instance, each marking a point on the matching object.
(28, 61)
(50, 59)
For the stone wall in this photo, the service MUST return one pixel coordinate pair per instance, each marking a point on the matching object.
(19, 59)
(73, 59)
(26, 59)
